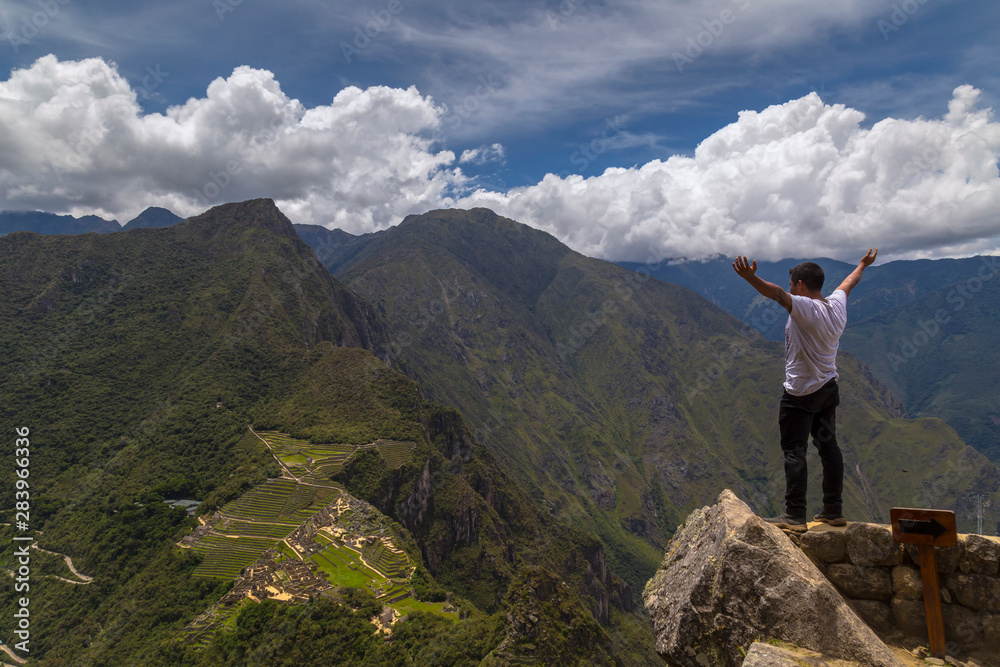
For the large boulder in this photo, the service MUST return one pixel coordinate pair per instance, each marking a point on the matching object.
(730, 578)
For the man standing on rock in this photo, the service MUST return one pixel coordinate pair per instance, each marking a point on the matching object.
(809, 403)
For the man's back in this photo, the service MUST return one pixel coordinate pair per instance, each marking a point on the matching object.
(812, 337)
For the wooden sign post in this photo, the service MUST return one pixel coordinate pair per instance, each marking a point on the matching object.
(927, 529)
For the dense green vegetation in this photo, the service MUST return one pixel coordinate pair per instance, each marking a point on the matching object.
(550, 624)
(139, 359)
(534, 509)
(332, 633)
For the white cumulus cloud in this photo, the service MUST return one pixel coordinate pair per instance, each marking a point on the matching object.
(796, 179)
(74, 139)
(803, 178)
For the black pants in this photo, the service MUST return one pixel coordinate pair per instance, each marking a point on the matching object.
(798, 417)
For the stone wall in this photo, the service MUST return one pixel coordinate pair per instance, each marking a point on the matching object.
(881, 579)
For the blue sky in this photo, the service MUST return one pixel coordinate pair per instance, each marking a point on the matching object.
(521, 89)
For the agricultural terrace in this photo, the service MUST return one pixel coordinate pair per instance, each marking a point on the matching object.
(394, 452)
(279, 500)
(346, 543)
(317, 464)
(225, 557)
(242, 530)
(300, 535)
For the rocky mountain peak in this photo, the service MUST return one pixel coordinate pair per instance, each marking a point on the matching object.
(261, 213)
(154, 216)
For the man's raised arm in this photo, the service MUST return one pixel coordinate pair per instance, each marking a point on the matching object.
(748, 273)
(851, 281)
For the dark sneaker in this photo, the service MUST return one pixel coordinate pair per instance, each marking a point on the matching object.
(788, 522)
(830, 517)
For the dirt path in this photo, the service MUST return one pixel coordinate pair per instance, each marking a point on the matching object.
(69, 564)
(276, 457)
(13, 656)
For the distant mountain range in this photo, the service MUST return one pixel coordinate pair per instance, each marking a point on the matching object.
(51, 223)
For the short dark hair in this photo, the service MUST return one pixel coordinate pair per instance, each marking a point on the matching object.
(810, 273)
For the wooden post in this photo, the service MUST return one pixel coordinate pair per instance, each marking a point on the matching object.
(932, 600)
(927, 528)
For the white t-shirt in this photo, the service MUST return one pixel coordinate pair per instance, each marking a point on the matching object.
(812, 336)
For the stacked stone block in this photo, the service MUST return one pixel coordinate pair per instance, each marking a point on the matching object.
(882, 581)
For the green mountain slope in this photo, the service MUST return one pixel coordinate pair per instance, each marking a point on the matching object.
(619, 401)
(137, 361)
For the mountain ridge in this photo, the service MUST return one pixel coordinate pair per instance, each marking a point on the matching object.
(51, 223)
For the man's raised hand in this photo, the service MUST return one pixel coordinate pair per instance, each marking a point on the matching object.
(851, 281)
(743, 267)
(748, 272)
